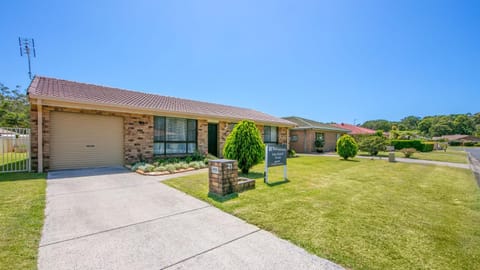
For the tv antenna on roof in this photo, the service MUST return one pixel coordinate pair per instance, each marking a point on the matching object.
(27, 46)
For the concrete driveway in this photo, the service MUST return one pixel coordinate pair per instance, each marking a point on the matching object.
(111, 218)
(474, 151)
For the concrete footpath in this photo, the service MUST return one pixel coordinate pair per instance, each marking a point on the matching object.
(111, 218)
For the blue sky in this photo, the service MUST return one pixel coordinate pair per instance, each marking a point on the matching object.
(340, 61)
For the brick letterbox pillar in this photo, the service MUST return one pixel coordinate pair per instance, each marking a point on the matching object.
(223, 176)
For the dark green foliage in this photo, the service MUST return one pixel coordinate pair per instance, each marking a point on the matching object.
(401, 144)
(469, 144)
(455, 143)
(347, 147)
(291, 153)
(379, 124)
(372, 144)
(319, 143)
(416, 144)
(14, 108)
(410, 122)
(432, 126)
(245, 145)
(428, 146)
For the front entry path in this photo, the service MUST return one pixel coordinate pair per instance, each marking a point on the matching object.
(111, 218)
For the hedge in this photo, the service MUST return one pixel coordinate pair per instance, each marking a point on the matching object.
(455, 143)
(469, 143)
(418, 145)
(428, 146)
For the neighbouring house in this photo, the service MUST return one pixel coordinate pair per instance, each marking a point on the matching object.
(80, 125)
(458, 137)
(305, 132)
(355, 130)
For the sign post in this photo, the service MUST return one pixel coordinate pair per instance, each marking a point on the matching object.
(275, 155)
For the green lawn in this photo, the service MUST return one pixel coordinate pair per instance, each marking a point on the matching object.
(364, 214)
(452, 155)
(22, 203)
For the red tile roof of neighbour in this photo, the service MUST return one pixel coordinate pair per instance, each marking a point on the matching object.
(354, 130)
(83, 93)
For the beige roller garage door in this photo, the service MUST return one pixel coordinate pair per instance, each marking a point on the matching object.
(84, 140)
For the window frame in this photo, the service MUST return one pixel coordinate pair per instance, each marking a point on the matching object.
(322, 135)
(265, 133)
(165, 141)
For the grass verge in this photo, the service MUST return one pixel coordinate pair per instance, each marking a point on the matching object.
(451, 155)
(364, 214)
(22, 203)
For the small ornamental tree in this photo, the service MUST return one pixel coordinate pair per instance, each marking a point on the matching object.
(347, 147)
(245, 145)
(372, 144)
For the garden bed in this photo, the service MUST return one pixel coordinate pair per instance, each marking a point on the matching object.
(168, 166)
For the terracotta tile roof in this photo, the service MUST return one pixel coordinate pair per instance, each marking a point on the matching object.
(303, 123)
(354, 130)
(83, 93)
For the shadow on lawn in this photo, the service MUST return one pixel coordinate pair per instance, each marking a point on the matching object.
(277, 183)
(252, 175)
(20, 176)
(222, 199)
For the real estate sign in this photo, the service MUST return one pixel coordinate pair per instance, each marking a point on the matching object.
(275, 155)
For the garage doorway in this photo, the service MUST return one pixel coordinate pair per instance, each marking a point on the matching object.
(80, 140)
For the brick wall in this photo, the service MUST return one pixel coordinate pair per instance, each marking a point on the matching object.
(202, 136)
(138, 134)
(283, 135)
(224, 129)
(305, 142)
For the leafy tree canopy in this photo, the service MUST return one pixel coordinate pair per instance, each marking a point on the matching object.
(431, 126)
(14, 108)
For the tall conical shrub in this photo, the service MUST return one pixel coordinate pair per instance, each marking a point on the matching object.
(245, 145)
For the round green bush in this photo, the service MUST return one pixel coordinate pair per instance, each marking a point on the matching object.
(245, 145)
(347, 147)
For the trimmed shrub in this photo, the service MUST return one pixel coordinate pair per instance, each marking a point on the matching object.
(455, 143)
(428, 146)
(291, 153)
(469, 144)
(401, 144)
(245, 145)
(417, 144)
(347, 147)
(372, 144)
(408, 152)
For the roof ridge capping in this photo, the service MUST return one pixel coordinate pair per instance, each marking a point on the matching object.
(78, 92)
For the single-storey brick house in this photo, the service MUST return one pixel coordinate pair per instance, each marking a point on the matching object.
(305, 132)
(79, 125)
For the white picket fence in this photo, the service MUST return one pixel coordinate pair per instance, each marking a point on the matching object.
(15, 150)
